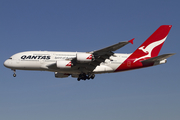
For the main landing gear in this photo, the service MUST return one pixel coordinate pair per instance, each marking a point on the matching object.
(14, 75)
(83, 76)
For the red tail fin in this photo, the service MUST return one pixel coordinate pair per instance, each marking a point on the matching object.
(152, 46)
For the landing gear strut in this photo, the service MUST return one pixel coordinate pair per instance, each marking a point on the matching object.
(14, 75)
(83, 76)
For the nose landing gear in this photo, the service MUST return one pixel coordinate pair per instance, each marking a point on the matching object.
(14, 75)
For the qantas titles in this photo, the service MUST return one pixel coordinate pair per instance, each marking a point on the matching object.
(36, 57)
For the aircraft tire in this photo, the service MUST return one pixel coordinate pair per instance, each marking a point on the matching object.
(14, 75)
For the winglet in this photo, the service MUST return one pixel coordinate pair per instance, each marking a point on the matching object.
(131, 41)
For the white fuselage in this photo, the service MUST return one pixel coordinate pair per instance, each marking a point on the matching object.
(39, 60)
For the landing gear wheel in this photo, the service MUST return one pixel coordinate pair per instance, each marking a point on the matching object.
(14, 75)
(84, 76)
(92, 77)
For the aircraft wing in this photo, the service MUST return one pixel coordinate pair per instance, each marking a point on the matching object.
(98, 57)
(112, 47)
(105, 53)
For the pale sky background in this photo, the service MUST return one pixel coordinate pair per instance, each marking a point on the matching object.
(85, 25)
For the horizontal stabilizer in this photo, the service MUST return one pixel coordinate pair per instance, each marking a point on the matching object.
(158, 58)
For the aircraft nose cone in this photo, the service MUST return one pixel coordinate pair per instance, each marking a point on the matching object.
(7, 63)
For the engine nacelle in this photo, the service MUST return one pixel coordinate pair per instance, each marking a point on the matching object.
(63, 64)
(61, 75)
(84, 57)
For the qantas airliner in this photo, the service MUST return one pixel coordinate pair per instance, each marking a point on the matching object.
(84, 65)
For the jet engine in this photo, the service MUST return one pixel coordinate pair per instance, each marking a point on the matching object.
(84, 57)
(61, 75)
(63, 64)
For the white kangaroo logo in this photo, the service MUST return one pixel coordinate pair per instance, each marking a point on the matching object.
(148, 49)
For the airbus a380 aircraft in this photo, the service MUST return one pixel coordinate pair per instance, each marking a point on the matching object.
(84, 65)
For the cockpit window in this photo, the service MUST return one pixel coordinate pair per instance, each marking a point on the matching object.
(10, 58)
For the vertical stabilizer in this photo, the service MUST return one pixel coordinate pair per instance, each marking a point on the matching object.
(152, 46)
(149, 49)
